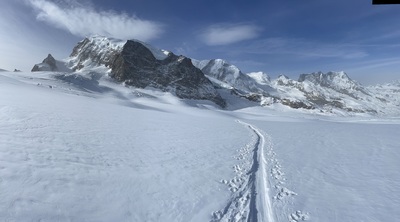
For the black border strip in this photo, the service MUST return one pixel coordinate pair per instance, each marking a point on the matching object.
(385, 2)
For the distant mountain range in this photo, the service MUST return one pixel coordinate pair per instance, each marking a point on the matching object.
(138, 64)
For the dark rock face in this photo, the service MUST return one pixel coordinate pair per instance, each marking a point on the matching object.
(135, 65)
(48, 64)
(51, 62)
(296, 104)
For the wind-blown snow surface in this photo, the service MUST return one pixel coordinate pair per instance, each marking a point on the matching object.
(79, 147)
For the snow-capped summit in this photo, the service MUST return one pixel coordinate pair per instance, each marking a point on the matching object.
(339, 81)
(222, 70)
(230, 75)
(283, 80)
(261, 78)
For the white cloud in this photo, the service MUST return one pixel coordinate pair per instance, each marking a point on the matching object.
(83, 20)
(224, 34)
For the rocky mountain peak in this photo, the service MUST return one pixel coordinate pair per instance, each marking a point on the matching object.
(48, 64)
(283, 80)
(137, 64)
(50, 60)
(330, 79)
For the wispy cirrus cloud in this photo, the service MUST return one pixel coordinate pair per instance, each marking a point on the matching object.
(85, 20)
(304, 48)
(225, 34)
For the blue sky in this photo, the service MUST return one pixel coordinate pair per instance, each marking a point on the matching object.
(278, 37)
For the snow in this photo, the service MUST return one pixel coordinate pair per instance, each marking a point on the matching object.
(260, 77)
(200, 64)
(80, 147)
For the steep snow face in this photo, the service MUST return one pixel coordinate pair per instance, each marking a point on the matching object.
(220, 69)
(230, 76)
(261, 78)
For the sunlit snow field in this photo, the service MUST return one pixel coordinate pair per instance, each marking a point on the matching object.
(78, 150)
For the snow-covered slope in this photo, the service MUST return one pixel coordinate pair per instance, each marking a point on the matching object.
(81, 147)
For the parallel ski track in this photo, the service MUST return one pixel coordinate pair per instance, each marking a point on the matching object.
(251, 202)
(260, 203)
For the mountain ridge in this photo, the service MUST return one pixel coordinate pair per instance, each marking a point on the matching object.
(141, 65)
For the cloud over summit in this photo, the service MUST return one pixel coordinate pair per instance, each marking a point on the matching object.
(84, 20)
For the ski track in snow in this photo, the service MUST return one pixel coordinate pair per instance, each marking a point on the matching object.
(250, 200)
(252, 187)
(263, 201)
